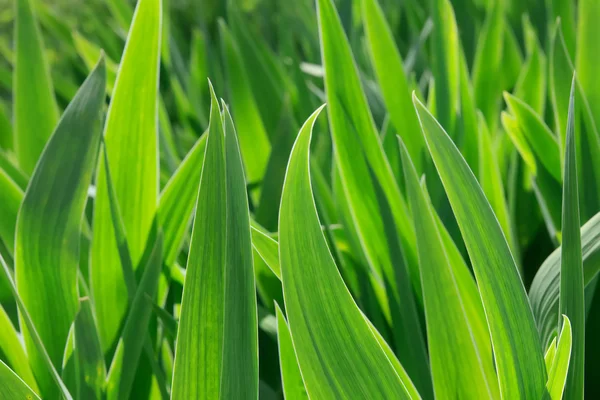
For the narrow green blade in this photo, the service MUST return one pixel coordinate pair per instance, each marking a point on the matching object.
(460, 367)
(131, 139)
(572, 300)
(35, 109)
(92, 370)
(49, 225)
(11, 197)
(338, 354)
(12, 386)
(291, 377)
(557, 375)
(392, 79)
(588, 53)
(216, 354)
(518, 352)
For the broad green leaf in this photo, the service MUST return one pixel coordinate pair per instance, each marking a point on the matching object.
(538, 135)
(131, 140)
(49, 225)
(518, 352)
(588, 53)
(92, 370)
(544, 291)
(557, 374)
(490, 179)
(360, 159)
(254, 140)
(14, 351)
(216, 354)
(512, 129)
(131, 343)
(177, 199)
(392, 79)
(12, 386)
(322, 314)
(35, 109)
(572, 300)
(445, 63)
(11, 197)
(291, 378)
(464, 373)
(28, 322)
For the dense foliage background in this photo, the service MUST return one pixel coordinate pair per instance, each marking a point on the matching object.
(498, 77)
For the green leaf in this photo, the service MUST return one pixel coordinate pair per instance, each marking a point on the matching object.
(11, 197)
(131, 140)
(35, 109)
(13, 350)
(588, 53)
(49, 225)
(392, 79)
(490, 179)
(131, 343)
(362, 165)
(557, 374)
(12, 386)
(538, 135)
(216, 354)
(254, 141)
(177, 200)
(291, 378)
(268, 250)
(544, 291)
(518, 355)
(92, 370)
(27, 321)
(445, 64)
(550, 354)
(322, 314)
(531, 86)
(488, 61)
(468, 372)
(572, 300)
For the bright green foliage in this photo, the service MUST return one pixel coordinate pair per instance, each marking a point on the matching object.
(131, 141)
(49, 225)
(156, 246)
(218, 304)
(35, 109)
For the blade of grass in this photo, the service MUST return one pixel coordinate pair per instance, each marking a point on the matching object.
(131, 138)
(11, 197)
(49, 225)
(291, 377)
(92, 370)
(35, 109)
(468, 372)
(216, 352)
(557, 374)
(572, 300)
(517, 349)
(314, 293)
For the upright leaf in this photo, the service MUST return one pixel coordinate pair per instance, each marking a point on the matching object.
(35, 109)
(92, 370)
(572, 300)
(517, 349)
(459, 366)
(291, 378)
(588, 53)
(392, 79)
(557, 374)
(131, 139)
(338, 354)
(216, 354)
(11, 197)
(49, 225)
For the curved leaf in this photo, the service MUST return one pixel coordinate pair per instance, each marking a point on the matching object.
(12, 386)
(291, 378)
(49, 225)
(338, 354)
(557, 374)
(518, 352)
